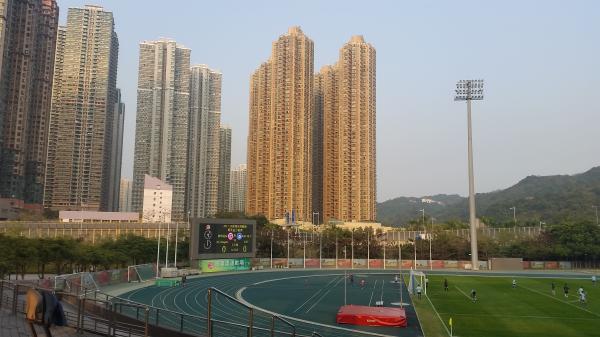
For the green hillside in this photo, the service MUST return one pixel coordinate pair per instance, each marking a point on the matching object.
(551, 199)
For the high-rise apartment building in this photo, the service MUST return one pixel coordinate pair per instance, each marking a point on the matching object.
(347, 104)
(224, 169)
(116, 155)
(28, 33)
(204, 139)
(81, 133)
(125, 195)
(237, 190)
(280, 130)
(161, 136)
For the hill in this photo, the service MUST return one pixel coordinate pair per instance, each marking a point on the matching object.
(551, 199)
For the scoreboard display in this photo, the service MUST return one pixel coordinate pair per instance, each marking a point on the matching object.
(222, 239)
(225, 238)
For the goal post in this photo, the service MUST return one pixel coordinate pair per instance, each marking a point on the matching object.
(141, 272)
(416, 278)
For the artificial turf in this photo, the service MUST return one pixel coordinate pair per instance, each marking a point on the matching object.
(529, 310)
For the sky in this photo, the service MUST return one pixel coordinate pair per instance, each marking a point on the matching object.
(540, 61)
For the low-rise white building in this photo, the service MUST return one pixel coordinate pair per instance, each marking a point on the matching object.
(158, 200)
(93, 216)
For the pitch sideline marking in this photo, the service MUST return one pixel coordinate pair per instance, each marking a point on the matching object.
(521, 316)
(438, 315)
(552, 297)
(238, 295)
(462, 292)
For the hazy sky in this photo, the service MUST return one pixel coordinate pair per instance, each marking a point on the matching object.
(540, 61)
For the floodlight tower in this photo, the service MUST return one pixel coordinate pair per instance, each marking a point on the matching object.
(469, 90)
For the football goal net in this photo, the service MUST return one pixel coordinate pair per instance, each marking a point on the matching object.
(141, 272)
(416, 278)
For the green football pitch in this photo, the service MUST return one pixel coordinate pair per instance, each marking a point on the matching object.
(310, 299)
(530, 309)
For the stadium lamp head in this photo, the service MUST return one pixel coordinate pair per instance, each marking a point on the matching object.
(469, 90)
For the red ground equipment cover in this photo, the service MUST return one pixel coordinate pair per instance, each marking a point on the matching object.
(371, 316)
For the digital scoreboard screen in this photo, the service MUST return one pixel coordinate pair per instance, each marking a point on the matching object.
(225, 239)
(222, 239)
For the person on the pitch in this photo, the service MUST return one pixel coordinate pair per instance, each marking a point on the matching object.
(473, 295)
(582, 296)
(445, 284)
(514, 283)
(566, 290)
(594, 280)
(419, 290)
(553, 288)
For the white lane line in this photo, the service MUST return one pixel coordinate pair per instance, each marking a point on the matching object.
(462, 292)
(382, 284)
(372, 292)
(323, 296)
(315, 294)
(238, 295)
(552, 297)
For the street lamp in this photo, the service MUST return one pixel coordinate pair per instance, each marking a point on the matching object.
(514, 209)
(469, 90)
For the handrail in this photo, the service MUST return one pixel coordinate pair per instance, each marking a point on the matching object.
(281, 319)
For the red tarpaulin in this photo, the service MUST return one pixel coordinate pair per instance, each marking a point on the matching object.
(371, 316)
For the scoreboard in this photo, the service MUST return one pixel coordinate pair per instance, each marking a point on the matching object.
(222, 238)
(225, 238)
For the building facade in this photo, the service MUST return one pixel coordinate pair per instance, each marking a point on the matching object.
(28, 33)
(116, 155)
(125, 195)
(81, 119)
(347, 92)
(158, 200)
(204, 141)
(280, 130)
(224, 169)
(161, 137)
(237, 189)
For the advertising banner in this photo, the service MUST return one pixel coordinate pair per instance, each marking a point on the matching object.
(360, 263)
(221, 265)
(537, 264)
(526, 265)
(344, 263)
(312, 263)
(328, 263)
(564, 265)
(551, 265)
(280, 262)
(375, 263)
(296, 263)
(406, 264)
(391, 263)
(437, 264)
(450, 264)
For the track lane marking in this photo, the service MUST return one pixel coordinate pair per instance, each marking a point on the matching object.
(323, 296)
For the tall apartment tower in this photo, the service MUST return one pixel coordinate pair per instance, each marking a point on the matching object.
(280, 131)
(204, 138)
(28, 31)
(116, 155)
(346, 95)
(237, 190)
(82, 113)
(161, 135)
(224, 168)
(125, 195)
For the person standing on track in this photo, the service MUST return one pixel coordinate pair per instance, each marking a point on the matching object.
(362, 284)
(352, 279)
(183, 279)
(445, 284)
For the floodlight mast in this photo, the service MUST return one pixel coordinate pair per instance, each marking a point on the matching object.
(468, 90)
